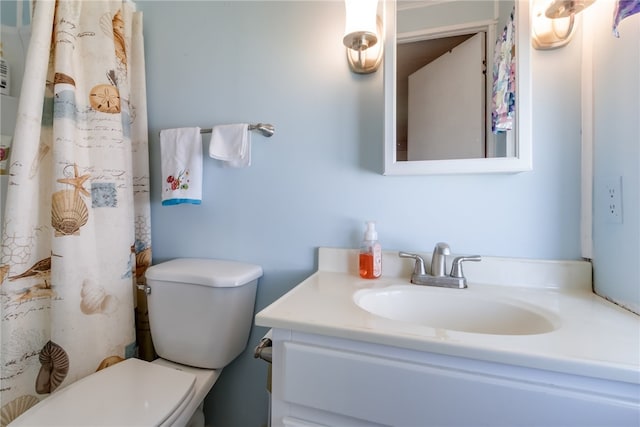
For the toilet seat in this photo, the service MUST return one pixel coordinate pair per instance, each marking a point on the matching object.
(205, 378)
(132, 392)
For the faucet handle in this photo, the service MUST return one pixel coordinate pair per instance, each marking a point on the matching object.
(456, 268)
(419, 268)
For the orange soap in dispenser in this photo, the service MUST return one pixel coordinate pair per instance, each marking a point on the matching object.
(370, 253)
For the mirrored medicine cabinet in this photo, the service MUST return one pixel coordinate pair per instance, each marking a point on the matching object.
(438, 85)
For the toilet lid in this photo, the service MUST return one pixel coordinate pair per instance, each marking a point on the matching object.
(206, 272)
(132, 392)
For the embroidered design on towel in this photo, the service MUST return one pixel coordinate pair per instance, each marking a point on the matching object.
(181, 182)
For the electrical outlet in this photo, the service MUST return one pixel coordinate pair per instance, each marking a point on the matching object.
(613, 200)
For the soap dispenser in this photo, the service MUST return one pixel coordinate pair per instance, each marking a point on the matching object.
(370, 260)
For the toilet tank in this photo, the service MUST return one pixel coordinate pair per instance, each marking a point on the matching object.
(201, 310)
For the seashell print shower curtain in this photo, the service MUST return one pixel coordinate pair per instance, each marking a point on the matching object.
(76, 232)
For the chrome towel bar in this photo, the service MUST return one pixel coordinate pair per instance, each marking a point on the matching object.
(265, 129)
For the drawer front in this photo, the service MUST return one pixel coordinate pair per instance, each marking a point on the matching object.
(395, 392)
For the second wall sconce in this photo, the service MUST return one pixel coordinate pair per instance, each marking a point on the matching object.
(363, 36)
(553, 22)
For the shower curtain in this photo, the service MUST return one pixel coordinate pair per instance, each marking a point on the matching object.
(76, 232)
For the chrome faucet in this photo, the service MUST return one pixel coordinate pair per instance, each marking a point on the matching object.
(438, 276)
(439, 259)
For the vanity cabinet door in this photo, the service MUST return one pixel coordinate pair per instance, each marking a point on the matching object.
(320, 385)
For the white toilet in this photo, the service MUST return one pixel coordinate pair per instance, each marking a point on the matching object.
(200, 314)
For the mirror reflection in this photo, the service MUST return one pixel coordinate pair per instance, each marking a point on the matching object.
(445, 80)
(454, 87)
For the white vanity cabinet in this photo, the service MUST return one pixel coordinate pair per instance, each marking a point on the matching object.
(322, 380)
(337, 364)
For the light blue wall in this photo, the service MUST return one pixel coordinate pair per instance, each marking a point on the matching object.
(319, 177)
(616, 135)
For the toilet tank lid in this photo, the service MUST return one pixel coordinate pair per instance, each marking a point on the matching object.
(204, 271)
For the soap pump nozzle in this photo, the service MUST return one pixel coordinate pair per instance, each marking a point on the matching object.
(371, 233)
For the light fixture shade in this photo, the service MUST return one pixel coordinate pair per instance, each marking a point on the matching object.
(548, 33)
(360, 28)
(369, 60)
(566, 8)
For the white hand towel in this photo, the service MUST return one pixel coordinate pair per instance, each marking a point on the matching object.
(231, 144)
(181, 156)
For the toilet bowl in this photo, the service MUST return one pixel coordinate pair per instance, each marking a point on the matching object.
(200, 313)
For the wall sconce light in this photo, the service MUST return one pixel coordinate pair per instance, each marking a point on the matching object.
(554, 22)
(363, 36)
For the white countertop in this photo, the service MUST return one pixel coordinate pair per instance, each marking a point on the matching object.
(595, 338)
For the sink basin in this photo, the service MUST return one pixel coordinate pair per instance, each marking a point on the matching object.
(453, 309)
